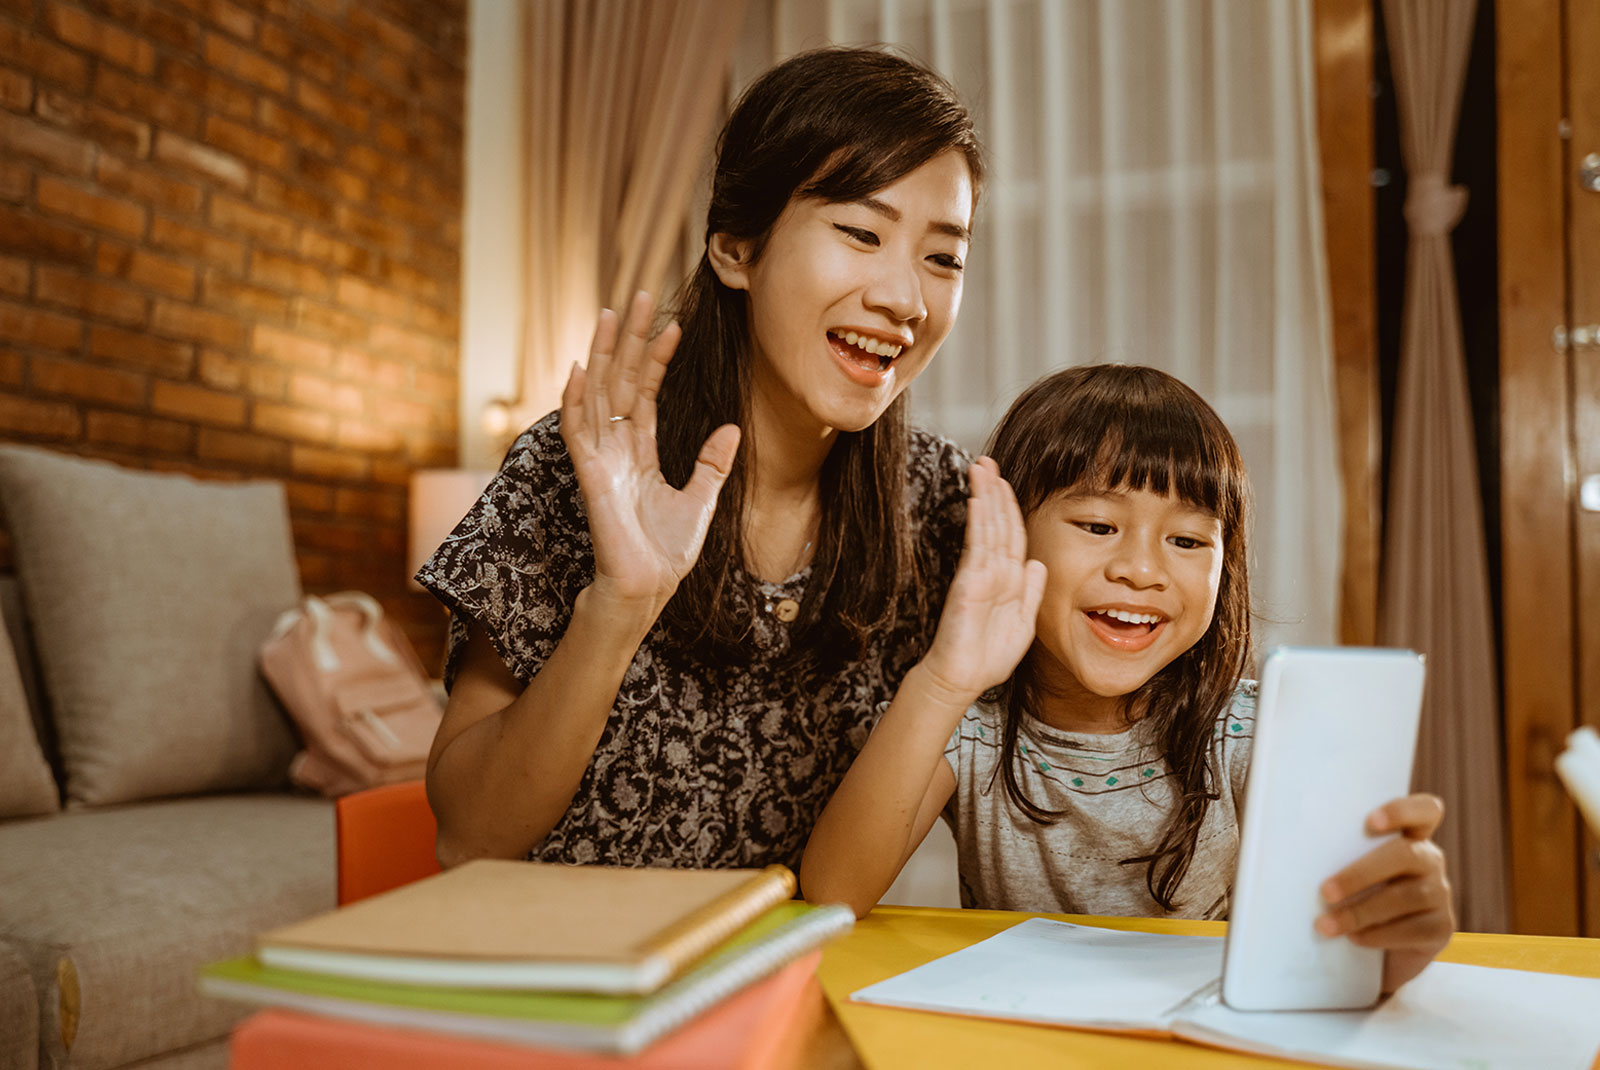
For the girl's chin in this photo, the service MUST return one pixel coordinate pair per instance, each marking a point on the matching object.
(1114, 685)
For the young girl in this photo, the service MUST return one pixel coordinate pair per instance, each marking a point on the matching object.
(667, 634)
(1105, 774)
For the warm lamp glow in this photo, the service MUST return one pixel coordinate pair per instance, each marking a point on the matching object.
(440, 497)
(496, 418)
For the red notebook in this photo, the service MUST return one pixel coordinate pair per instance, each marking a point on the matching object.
(763, 1026)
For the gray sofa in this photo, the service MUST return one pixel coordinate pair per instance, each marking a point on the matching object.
(145, 823)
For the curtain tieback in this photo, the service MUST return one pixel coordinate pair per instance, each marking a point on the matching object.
(1432, 206)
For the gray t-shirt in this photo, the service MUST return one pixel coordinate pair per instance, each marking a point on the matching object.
(1117, 792)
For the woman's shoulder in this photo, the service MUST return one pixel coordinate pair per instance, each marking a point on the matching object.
(540, 445)
(936, 483)
(537, 473)
(531, 510)
(936, 463)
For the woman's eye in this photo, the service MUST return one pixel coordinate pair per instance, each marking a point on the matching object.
(945, 260)
(865, 237)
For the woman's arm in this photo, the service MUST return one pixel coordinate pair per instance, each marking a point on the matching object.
(900, 781)
(507, 759)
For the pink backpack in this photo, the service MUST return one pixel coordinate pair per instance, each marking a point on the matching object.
(355, 689)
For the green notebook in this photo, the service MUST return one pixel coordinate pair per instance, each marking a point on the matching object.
(619, 1025)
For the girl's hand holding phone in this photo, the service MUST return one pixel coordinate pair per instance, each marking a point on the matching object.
(1396, 896)
(993, 604)
(647, 534)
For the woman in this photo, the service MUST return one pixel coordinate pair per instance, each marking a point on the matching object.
(674, 663)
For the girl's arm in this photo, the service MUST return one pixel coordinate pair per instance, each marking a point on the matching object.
(1397, 895)
(898, 784)
(507, 759)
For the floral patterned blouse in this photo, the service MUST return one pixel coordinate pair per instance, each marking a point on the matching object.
(700, 764)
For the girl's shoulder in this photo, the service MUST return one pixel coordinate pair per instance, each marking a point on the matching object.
(1238, 717)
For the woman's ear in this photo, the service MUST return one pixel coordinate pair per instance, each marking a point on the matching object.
(730, 259)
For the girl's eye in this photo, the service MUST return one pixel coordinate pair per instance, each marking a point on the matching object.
(1187, 542)
(865, 237)
(1096, 527)
(946, 261)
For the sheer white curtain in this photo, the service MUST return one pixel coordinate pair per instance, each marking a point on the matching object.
(1153, 199)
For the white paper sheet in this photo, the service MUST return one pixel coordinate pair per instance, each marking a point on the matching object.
(1053, 971)
(1451, 1017)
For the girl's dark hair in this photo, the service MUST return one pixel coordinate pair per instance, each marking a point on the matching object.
(835, 124)
(1105, 427)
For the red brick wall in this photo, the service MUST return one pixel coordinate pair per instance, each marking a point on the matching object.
(229, 245)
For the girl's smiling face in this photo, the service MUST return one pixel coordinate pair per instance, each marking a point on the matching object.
(849, 300)
(1133, 580)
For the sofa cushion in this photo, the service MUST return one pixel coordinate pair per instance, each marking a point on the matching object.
(19, 1013)
(21, 635)
(149, 595)
(26, 785)
(115, 911)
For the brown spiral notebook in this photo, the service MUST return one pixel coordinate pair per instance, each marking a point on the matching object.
(531, 925)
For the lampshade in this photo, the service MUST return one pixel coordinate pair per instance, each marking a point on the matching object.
(440, 497)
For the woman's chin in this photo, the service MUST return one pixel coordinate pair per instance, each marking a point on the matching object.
(852, 413)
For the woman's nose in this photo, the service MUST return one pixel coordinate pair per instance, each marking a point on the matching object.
(896, 290)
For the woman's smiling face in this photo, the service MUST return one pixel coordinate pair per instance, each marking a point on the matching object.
(849, 300)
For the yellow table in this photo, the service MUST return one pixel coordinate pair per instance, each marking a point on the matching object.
(892, 940)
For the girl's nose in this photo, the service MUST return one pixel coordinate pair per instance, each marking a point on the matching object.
(1138, 563)
(896, 290)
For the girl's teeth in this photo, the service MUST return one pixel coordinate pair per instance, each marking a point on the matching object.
(1132, 618)
(851, 337)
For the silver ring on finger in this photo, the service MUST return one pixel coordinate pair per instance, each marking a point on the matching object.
(615, 419)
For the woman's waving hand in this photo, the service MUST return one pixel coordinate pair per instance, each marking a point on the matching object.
(647, 534)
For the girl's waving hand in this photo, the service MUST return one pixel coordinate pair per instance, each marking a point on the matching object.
(989, 614)
(647, 534)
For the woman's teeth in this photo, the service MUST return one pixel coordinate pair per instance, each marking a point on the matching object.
(884, 351)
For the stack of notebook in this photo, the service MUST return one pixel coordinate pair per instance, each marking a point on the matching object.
(584, 959)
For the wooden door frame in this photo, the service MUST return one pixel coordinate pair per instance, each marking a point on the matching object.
(1342, 36)
(1537, 570)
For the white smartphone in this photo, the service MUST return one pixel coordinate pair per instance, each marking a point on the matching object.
(1335, 736)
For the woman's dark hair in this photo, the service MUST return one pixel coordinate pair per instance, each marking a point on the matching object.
(1105, 427)
(834, 124)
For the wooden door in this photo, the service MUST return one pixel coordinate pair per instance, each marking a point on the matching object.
(1549, 120)
(1582, 162)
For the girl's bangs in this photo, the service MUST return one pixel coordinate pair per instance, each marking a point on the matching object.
(1110, 428)
(1167, 462)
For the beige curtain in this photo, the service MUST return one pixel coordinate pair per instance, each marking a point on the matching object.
(1435, 594)
(1153, 197)
(618, 127)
